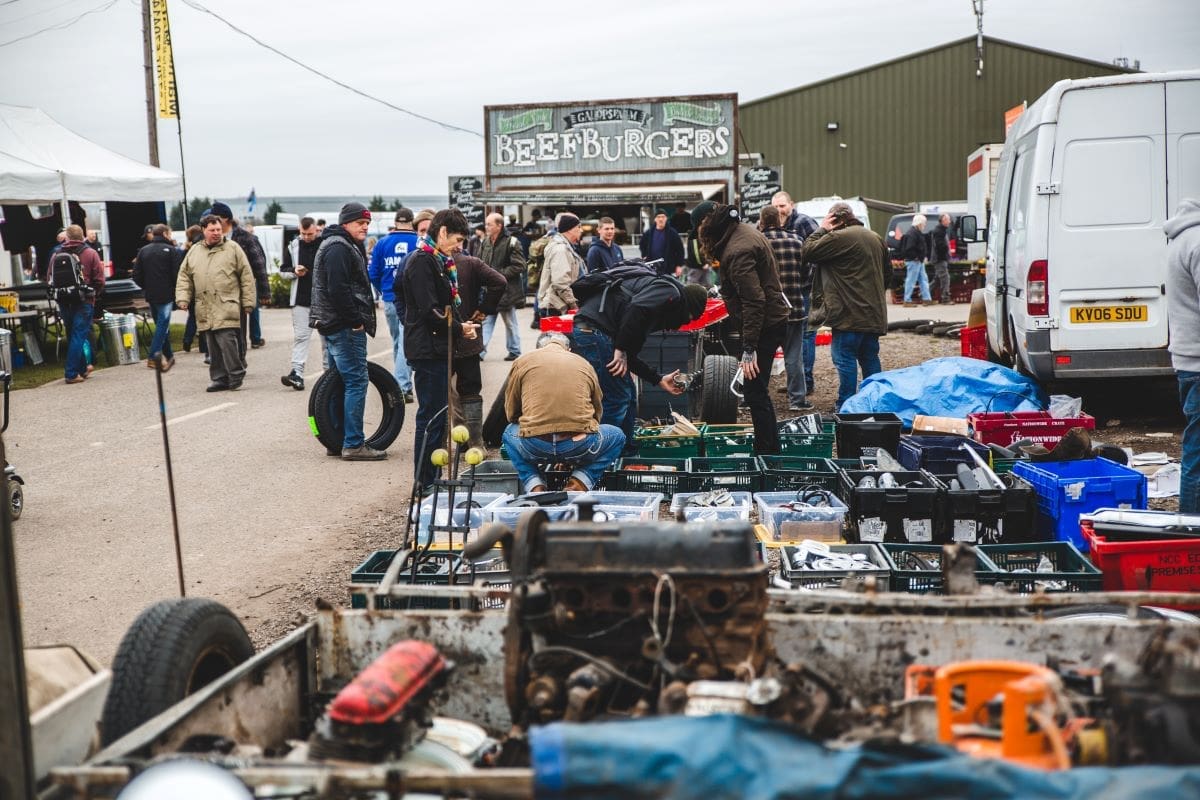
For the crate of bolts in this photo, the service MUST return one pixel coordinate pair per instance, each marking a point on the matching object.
(728, 440)
(806, 513)
(895, 505)
(816, 565)
(807, 436)
(980, 506)
(677, 439)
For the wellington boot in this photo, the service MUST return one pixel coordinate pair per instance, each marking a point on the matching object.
(472, 415)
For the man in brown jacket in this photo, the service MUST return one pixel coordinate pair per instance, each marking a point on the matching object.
(754, 297)
(852, 271)
(554, 396)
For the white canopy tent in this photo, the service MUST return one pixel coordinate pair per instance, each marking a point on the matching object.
(43, 162)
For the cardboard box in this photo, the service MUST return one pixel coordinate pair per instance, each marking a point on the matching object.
(939, 425)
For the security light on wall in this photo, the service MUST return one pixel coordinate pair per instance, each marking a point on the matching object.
(831, 126)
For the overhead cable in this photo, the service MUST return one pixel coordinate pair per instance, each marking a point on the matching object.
(62, 25)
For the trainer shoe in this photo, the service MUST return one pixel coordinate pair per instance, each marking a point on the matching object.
(293, 380)
(257, 343)
(363, 453)
(575, 485)
(512, 357)
(217, 386)
(804, 406)
(408, 398)
(76, 379)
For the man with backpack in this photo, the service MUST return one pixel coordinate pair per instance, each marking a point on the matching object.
(618, 308)
(76, 278)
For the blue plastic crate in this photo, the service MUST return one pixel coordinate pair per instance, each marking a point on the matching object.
(1066, 489)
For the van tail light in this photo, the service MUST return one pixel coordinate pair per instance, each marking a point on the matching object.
(953, 247)
(1036, 293)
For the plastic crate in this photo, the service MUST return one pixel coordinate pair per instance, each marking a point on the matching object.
(832, 579)
(1070, 571)
(725, 473)
(1152, 564)
(655, 442)
(786, 524)
(637, 506)
(792, 472)
(939, 454)
(989, 516)
(901, 514)
(1005, 427)
(907, 577)
(856, 432)
(628, 477)
(481, 503)
(739, 511)
(722, 441)
(1066, 489)
(1003, 465)
(496, 475)
(488, 571)
(807, 445)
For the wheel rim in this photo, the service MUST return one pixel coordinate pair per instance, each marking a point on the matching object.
(16, 500)
(212, 664)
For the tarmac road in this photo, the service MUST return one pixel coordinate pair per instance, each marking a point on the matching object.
(260, 504)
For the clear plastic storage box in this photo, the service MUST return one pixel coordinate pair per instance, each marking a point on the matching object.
(786, 524)
(739, 510)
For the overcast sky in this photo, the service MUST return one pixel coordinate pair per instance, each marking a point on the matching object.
(251, 118)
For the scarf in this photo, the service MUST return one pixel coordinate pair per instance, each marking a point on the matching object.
(447, 264)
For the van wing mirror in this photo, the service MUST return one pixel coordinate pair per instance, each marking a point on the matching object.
(968, 228)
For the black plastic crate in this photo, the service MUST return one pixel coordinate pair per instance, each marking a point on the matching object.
(909, 512)
(939, 454)
(628, 477)
(725, 473)
(989, 516)
(871, 431)
(793, 472)
(1069, 571)
(917, 568)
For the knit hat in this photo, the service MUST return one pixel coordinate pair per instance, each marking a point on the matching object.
(421, 216)
(403, 215)
(566, 222)
(661, 211)
(695, 297)
(352, 212)
(222, 210)
(700, 212)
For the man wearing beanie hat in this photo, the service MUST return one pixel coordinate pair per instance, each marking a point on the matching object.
(662, 242)
(698, 270)
(343, 311)
(563, 266)
(611, 328)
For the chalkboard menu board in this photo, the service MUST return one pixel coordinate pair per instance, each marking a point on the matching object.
(462, 197)
(758, 186)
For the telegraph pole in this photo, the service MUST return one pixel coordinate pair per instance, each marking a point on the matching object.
(148, 59)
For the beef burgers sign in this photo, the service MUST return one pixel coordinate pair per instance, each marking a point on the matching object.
(619, 136)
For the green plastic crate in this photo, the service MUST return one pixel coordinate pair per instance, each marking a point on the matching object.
(731, 473)
(907, 578)
(652, 443)
(806, 445)
(623, 478)
(780, 473)
(1070, 571)
(722, 441)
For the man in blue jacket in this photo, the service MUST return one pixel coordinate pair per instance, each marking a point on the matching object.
(663, 242)
(387, 257)
(604, 252)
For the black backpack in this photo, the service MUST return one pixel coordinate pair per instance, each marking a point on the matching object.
(631, 276)
(65, 278)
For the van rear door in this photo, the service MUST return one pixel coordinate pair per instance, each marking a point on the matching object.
(1183, 141)
(1107, 255)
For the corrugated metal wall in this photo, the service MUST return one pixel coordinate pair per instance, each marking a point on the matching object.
(907, 125)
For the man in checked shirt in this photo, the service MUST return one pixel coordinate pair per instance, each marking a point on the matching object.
(794, 277)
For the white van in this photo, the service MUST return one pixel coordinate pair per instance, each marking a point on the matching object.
(1076, 257)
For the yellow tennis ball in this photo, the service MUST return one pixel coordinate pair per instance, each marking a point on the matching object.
(440, 457)
(474, 456)
(460, 434)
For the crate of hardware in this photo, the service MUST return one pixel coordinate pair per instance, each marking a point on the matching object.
(1068, 489)
(987, 509)
(432, 567)
(807, 436)
(713, 505)
(666, 475)
(666, 441)
(560, 506)
(780, 473)
(1052, 567)
(801, 514)
(735, 472)
(939, 454)
(917, 568)
(1005, 427)
(895, 506)
(721, 441)
(817, 565)
(471, 510)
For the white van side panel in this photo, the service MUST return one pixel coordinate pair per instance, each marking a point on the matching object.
(1107, 203)
(1183, 142)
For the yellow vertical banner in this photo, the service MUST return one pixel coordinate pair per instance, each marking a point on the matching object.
(168, 103)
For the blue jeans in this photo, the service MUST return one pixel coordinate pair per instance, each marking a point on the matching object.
(1189, 458)
(850, 350)
(793, 362)
(161, 343)
(590, 456)
(429, 380)
(348, 349)
(916, 272)
(255, 323)
(78, 320)
(810, 346)
(400, 364)
(512, 339)
(620, 396)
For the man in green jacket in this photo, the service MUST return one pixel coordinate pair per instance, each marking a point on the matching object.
(216, 276)
(852, 269)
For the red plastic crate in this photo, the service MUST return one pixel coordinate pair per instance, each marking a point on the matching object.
(714, 312)
(1005, 427)
(1159, 565)
(973, 342)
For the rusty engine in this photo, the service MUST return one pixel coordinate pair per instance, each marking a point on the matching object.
(631, 619)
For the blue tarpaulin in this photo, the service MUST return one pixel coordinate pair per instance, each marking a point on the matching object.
(727, 756)
(946, 387)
